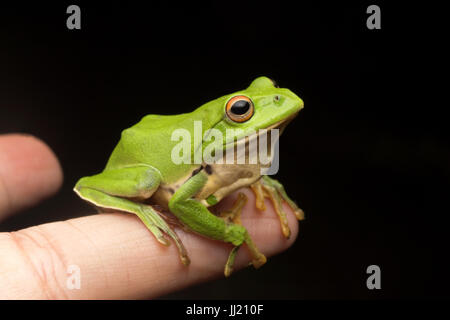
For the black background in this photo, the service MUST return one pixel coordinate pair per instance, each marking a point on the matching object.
(368, 164)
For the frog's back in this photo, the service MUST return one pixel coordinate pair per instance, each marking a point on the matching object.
(148, 142)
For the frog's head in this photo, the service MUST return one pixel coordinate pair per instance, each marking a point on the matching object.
(263, 105)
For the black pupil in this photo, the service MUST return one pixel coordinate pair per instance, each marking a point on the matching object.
(240, 107)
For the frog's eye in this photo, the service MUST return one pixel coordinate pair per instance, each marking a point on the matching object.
(240, 108)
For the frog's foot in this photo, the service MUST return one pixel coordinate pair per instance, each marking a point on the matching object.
(234, 216)
(269, 188)
(156, 223)
(229, 265)
(258, 259)
(148, 215)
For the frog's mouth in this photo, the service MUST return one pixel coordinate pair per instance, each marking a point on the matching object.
(251, 142)
(280, 125)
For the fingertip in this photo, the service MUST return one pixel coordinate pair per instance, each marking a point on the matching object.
(118, 257)
(29, 172)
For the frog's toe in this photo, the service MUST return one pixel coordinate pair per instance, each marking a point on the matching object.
(157, 225)
(229, 265)
(274, 191)
(299, 214)
(259, 196)
(260, 261)
(161, 239)
(234, 214)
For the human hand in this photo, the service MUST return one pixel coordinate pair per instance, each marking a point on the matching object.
(117, 256)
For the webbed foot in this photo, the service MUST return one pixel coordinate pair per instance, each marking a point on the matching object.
(234, 216)
(270, 188)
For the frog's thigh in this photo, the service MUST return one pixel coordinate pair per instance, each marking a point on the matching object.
(151, 219)
(130, 182)
(106, 189)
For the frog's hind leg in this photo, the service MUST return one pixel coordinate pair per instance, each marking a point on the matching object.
(234, 216)
(117, 189)
(270, 188)
(148, 215)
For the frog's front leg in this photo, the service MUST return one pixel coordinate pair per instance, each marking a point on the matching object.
(270, 188)
(234, 215)
(199, 219)
(119, 188)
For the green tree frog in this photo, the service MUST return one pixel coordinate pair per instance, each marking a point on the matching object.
(141, 176)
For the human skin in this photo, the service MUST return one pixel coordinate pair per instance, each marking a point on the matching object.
(117, 256)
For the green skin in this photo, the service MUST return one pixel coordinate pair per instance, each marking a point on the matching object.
(141, 164)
